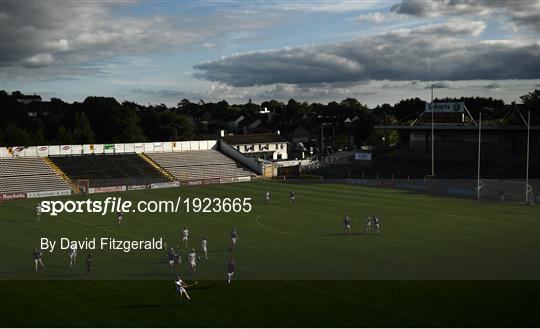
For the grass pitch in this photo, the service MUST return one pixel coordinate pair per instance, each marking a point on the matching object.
(293, 266)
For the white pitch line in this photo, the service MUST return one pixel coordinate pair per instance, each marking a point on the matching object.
(257, 220)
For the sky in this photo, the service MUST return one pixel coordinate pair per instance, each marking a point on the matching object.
(315, 51)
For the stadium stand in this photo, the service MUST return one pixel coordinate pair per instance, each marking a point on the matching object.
(109, 170)
(199, 165)
(29, 174)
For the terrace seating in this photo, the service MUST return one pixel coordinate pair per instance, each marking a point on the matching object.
(199, 165)
(109, 170)
(28, 174)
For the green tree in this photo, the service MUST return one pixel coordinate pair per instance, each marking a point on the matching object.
(13, 135)
(64, 136)
(39, 138)
(531, 102)
(82, 131)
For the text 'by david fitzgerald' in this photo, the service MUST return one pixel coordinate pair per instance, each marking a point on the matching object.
(102, 243)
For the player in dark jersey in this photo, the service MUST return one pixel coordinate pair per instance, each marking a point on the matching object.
(37, 255)
(292, 196)
(173, 257)
(120, 216)
(230, 270)
(89, 263)
(234, 238)
(347, 225)
(367, 222)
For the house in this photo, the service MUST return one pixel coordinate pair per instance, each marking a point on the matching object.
(27, 99)
(265, 146)
(299, 135)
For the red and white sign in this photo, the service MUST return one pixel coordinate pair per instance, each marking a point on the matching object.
(12, 196)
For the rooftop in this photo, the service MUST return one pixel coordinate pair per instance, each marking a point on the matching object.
(254, 139)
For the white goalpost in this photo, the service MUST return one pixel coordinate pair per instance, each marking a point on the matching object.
(479, 183)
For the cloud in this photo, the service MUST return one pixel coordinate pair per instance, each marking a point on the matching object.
(39, 60)
(521, 13)
(327, 6)
(493, 85)
(427, 53)
(442, 84)
(54, 39)
(378, 17)
(454, 27)
(370, 93)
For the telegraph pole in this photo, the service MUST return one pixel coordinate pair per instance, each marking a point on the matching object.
(527, 171)
(322, 142)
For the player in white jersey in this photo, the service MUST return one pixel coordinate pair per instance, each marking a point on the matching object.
(72, 254)
(181, 287)
(38, 212)
(230, 270)
(185, 236)
(377, 225)
(367, 222)
(204, 246)
(192, 258)
(268, 197)
(36, 255)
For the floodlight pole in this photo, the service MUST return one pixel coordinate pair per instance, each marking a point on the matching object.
(322, 142)
(432, 136)
(479, 153)
(527, 171)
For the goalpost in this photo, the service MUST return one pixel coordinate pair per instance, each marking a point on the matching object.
(529, 198)
(479, 183)
(83, 185)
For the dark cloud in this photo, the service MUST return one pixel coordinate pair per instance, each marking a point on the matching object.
(524, 13)
(400, 55)
(162, 93)
(445, 85)
(53, 39)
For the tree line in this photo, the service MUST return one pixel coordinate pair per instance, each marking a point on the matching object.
(105, 120)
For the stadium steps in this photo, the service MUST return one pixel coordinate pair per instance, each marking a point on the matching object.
(159, 168)
(60, 172)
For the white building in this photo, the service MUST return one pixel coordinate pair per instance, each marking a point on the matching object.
(264, 146)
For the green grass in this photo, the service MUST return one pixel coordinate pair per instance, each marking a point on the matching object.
(294, 268)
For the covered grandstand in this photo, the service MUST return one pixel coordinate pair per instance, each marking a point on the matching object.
(40, 171)
(109, 169)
